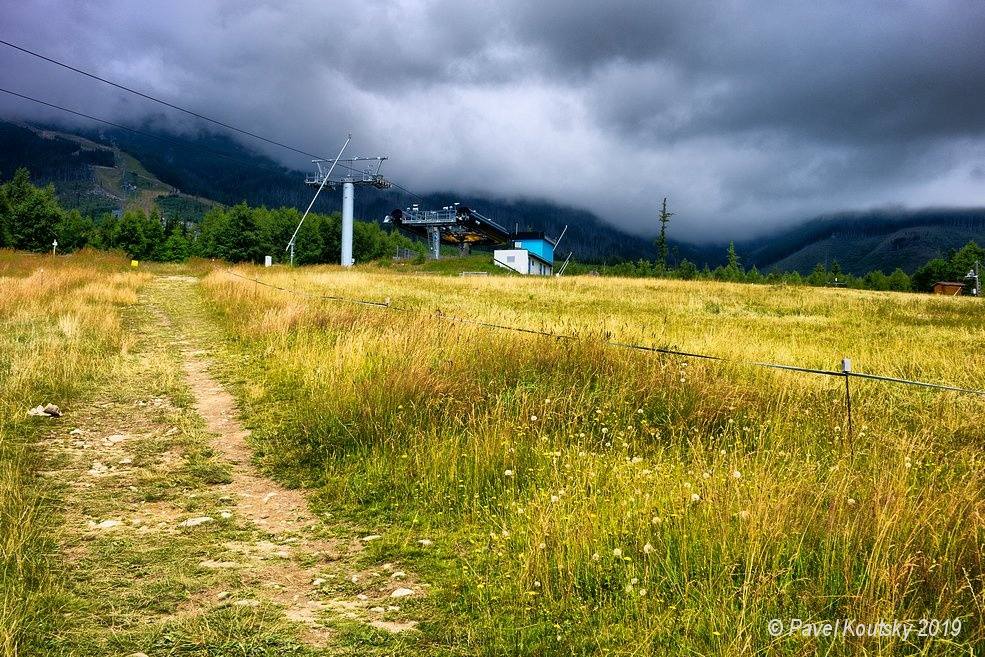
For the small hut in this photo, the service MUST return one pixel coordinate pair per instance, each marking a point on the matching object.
(948, 288)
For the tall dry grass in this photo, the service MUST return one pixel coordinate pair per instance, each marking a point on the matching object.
(591, 500)
(61, 323)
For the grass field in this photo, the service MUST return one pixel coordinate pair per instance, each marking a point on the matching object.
(61, 329)
(548, 497)
(588, 500)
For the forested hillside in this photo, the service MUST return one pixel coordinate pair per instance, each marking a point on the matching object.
(215, 168)
(181, 177)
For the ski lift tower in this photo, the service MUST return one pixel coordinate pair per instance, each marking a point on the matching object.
(354, 171)
(972, 277)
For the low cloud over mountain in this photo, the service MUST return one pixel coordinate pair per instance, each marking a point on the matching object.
(745, 116)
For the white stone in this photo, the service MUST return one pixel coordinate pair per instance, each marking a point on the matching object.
(371, 537)
(425, 542)
(108, 524)
(401, 593)
(195, 522)
(247, 603)
(98, 469)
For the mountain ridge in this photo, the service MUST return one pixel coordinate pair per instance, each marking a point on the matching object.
(186, 175)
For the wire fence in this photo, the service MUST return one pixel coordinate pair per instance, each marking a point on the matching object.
(846, 372)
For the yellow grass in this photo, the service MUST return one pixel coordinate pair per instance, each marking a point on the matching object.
(59, 324)
(588, 499)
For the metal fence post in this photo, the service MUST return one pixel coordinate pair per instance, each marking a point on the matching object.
(846, 369)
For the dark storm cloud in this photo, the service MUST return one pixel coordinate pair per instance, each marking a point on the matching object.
(746, 114)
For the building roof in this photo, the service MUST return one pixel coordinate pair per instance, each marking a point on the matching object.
(533, 235)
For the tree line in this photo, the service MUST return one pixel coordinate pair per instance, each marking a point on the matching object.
(954, 265)
(31, 218)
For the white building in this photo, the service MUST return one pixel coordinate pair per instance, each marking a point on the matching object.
(532, 254)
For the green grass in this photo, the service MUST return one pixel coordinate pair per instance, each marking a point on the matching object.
(584, 500)
(546, 497)
(450, 264)
(60, 334)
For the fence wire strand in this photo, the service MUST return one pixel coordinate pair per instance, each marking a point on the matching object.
(612, 343)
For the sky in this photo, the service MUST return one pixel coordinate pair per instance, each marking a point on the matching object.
(749, 116)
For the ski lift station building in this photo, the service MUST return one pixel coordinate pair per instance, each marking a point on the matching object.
(532, 254)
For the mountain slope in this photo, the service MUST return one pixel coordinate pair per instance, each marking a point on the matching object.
(93, 176)
(863, 242)
(103, 170)
(156, 169)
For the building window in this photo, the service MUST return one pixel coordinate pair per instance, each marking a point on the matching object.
(510, 258)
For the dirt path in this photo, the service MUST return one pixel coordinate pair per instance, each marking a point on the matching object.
(173, 538)
(280, 512)
(258, 498)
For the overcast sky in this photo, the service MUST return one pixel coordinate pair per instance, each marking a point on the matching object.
(746, 114)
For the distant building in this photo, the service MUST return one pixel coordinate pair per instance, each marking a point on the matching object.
(532, 254)
(948, 288)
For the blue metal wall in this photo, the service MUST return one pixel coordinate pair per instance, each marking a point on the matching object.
(539, 247)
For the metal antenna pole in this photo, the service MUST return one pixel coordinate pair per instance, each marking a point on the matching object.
(290, 245)
(565, 265)
(561, 236)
